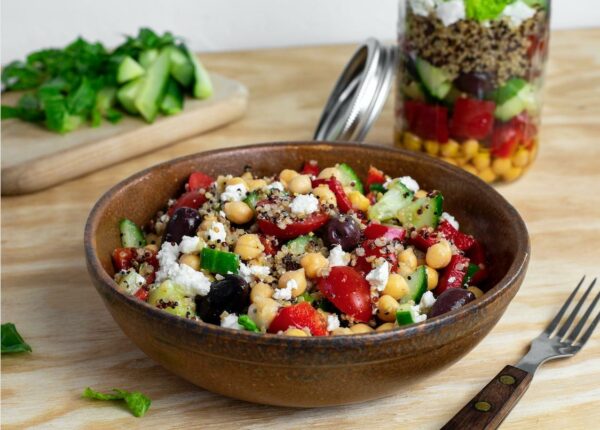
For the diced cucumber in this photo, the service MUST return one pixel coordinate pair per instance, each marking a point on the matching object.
(298, 245)
(424, 212)
(221, 262)
(153, 87)
(513, 98)
(148, 57)
(349, 178)
(437, 81)
(417, 285)
(397, 197)
(129, 69)
(172, 101)
(127, 94)
(131, 282)
(182, 68)
(105, 100)
(170, 297)
(252, 199)
(131, 234)
(203, 87)
(406, 314)
(414, 91)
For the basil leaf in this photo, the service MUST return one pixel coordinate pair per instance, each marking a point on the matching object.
(12, 341)
(137, 402)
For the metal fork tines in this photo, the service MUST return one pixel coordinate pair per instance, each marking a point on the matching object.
(562, 340)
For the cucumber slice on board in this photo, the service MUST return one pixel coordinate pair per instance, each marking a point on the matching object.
(148, 57)
(424, 212)
(182, 68)
(349, 178)
(127, 94)
(437, 81)
(131, 234)
(417, 285)
(172, 101)
(203, 87)
(147, 100)
(397, 197)
(129, 69)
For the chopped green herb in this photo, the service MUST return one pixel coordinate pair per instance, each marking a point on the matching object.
(12, 341)
(247, 323)
(137, 402)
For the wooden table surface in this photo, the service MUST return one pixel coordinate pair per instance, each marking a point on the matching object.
(47, 292)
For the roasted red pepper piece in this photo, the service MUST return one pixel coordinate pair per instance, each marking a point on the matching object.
(374, 176)
(371, 249)
(375, 231)
(199, 180)
(505, 138)
(298, 228)
(269, 244)
(343, 202)
(302, 315)
(477, 255)
(462, 241)
(348, 290)
(427, 121)
(453, 274)
(191, 199)
(423, 239)
(311, 167)
(123, 258)
(472, 118)
(142, 294)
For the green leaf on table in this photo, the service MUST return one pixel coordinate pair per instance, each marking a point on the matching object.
(137, 402)
(12, 341)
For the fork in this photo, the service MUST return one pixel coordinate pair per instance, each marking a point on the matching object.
(491, 405)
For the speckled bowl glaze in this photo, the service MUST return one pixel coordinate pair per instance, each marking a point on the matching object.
(320, 371)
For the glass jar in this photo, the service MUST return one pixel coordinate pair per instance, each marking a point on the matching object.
(469, 82)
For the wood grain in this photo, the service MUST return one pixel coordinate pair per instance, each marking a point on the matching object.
(47, 293)
(34, 158)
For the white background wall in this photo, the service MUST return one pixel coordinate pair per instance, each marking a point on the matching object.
(217, 25)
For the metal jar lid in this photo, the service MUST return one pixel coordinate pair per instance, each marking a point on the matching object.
(359, 94)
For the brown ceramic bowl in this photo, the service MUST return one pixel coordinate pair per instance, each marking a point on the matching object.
(320, 371)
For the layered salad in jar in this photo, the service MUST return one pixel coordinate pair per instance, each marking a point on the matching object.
(469, 83)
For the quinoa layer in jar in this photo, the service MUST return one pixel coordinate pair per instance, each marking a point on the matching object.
(470, 80)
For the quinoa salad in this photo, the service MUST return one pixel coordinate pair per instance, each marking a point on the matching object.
(314, 252)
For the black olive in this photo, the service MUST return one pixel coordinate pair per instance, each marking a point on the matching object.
(477, 84)
(230, 294)
(450, 300)
(184, 222)
(344, 232)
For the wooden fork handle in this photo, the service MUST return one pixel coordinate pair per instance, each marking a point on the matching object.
(491, 405)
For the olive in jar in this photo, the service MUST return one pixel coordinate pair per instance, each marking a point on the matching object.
(184, 222)
(343, 231)
(230, 294)
(450, 300)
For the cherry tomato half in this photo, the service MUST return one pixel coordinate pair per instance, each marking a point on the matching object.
(346, 288)
(298, 228)
(302, 315)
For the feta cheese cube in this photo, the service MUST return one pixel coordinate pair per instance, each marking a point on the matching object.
(378, 277)
(234, 193)
(304, 204)
(337, 257)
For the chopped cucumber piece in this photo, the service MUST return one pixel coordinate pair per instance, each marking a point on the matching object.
(182, 68)
(131, 234)
(378, 188)
(406, 314)
(131, 282)
(172, 101)
(349, 178)
(424, 212)
(203, 87)
(170, 297)
(513, 98)
(129, 69)
(147, 58)
(252, 199)
(397, 197)
(437, 81)
(221, 262)
(298, 245)
(153, 87)
(417, 285)
(127, 94)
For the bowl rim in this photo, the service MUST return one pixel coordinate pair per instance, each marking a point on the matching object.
(108, 285)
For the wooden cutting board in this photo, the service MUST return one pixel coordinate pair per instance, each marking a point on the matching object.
(34, 158)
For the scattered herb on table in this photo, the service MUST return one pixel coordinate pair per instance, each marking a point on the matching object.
(84, 82)
(137, 402)
(12, 341)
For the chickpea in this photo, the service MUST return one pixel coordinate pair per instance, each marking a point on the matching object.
(386, 327)
(314, 263)
(439, 255)
(476, 291)
(238, 212)
(153, 239)
(294, 275)
(286, 176)
(405, 270)
(432, 147)
(359, 201)
(325, 195)
(151, 247)
(296, 332)
(396, 286)
(248, 246)
(450, 161)
(246, 176)
(450, 149)
(512, 174)
(361, 328)
(469, 168)
(207, 222)
(235, 181)
(521, 158)
(191, 260)
(487, 175)
(481, 161)
(432, 278)
(341, 331)
(255, 184)
(501, 165)
(469, 148)
(300, 184)
(330, 172)
(386, 308)
(263, 312)
(412, 141)
(408, 257)
(261, 290)
(420, 194)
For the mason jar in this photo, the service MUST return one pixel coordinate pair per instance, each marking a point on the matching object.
(469, 81)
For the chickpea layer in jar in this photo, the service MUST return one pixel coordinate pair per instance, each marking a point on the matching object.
(469, 83)
(308, 253)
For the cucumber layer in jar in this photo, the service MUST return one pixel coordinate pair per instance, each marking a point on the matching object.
(470, 81)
